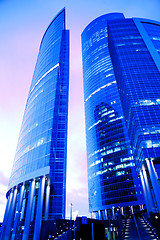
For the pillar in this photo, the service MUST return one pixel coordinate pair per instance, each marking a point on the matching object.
(38, 220)
(28, 210)
(113, 216)
(146, 190)
(106, 215)
(154, 181)
(18, 212)
(11, 215)
(102, 215)
(4, 226)
(122, 211)
(131, 209)
(47, 200)
(99, 215)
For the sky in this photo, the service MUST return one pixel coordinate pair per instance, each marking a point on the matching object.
(22, 25)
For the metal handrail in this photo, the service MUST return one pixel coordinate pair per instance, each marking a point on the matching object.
(154, 231)
(136, 227)
(61, 231)
(123, 229)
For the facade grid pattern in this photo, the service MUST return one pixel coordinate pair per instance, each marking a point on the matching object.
(111, 170)
(37, 186)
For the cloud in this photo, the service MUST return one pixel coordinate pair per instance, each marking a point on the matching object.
(77, 182)
(2, 199)
(4, 180)
(3, 190)
(79, 199)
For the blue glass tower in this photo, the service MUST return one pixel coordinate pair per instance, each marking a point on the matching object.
(37, 186)
(134, 46)
(112, 179)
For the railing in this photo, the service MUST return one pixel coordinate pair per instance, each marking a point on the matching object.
(154, 231)
(137, 227)
(65, 235)
(124, 221)
(62, 234)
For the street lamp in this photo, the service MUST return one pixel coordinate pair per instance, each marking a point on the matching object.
(71, 205)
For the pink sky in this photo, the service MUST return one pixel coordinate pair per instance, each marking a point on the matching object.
(22, 25)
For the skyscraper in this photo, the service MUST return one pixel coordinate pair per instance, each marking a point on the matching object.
(112, 180)
(134, 46)
(37, 186)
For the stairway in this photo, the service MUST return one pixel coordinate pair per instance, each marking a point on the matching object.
(65, 233)
(138, 229)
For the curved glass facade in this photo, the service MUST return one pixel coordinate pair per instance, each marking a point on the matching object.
(139, 82)
(112, 178)
(134, 47)
(40, 162)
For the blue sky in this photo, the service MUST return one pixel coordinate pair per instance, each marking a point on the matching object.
(22, 25)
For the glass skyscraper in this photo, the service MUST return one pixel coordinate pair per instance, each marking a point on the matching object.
(112, 179)
(134, 46)
(37, 186)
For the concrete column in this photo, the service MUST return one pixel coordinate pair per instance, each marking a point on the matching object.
(113, 216)
(102, 215)
(106, 215)
(122, 211)
(29, 210)
(154, 181)
(141, 207)
(10, 217)
(99, 215)
(146, 190)
(131, 209)
(47, 200)
(38, 220)
(149, 193)
(18, 212)
(4, 226)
